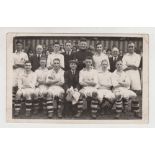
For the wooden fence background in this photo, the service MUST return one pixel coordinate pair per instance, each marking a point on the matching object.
(108, 42)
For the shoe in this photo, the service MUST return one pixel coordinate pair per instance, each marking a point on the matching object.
(78, 115)
(137, 115)
(94, 116)
(50, 115)
(117, 116)
(28, 113)
(16, 113)
(35, 112)
(59, 115)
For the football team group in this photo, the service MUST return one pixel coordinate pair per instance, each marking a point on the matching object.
(66, 83)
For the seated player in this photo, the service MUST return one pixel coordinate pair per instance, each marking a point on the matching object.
(41, 90)
(121, 84)
(55, 92)
(105, 95)
(26, 88)
(88, 81)
(71, 86)
(55, 54)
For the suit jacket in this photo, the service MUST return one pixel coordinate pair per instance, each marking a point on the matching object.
(81, 56)
(35, 62)
(71, 80)
(113, 63)
(67, 58)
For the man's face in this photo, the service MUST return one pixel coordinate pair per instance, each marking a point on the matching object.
(68, 46)
(39, 50)
(131, 48)
(99, 48)
(42, 63)
(83, 45)
(119, 66)
(56, 47)
(28, 66)
(19, 46)
(104, 64)
(108, 52)
(56, 64)
(88, 62)
(115, 52)
(73, 66)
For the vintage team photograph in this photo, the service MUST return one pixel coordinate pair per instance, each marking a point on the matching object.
(76, 77)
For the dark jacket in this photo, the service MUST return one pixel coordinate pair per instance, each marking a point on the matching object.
(67, 58)
(81, 56)
(71, 80)
(35, 62)
(113, 63)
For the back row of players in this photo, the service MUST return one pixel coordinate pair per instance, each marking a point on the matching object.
(86, 79)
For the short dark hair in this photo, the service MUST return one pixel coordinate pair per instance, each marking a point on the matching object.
(56, 59)
(43, 58)
(68, 41)
(26, 62)
(83, 40)
(88, 57)
(19, 42)
(56, 42)
(99, 43)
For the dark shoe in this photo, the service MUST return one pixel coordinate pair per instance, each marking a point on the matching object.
(78, 115)
(16, 113)
(117, 116)
(28, 113)
(94, 116)
(137, 115)
(59, 115)
(36, 111)
(50, 115)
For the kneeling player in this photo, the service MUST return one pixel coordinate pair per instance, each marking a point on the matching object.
(41, 90)
(26, 88)
(105, 95)
(55, 92)
(121, 84)
(88, 80)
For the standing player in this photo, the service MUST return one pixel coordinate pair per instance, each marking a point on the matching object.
(88, 80)
(19, 59)
(55, 54)
(121, 84)
(55, 92)
(26, 88)
(82, 53)
(41, 90)
(131, 62)
(105, 95)
(99, 56)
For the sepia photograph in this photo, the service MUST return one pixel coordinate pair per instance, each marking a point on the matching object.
(74, 78)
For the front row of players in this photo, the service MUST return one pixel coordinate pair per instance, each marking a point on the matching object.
(89, 90)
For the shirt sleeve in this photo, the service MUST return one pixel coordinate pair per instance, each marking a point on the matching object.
(138, 58)
(81, 77)
(26, 57)
(95, 77)
(34, 80)
(20, 82)
(113, 80)
(124, 62)
(48, 61)
(62, 61)
(62, 77)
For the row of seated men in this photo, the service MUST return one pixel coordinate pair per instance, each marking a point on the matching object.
(53, 88)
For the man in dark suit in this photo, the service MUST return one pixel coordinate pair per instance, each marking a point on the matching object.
(68, 55)
(82, 53)
(115, 57)
(71, 83)
(35, 59)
